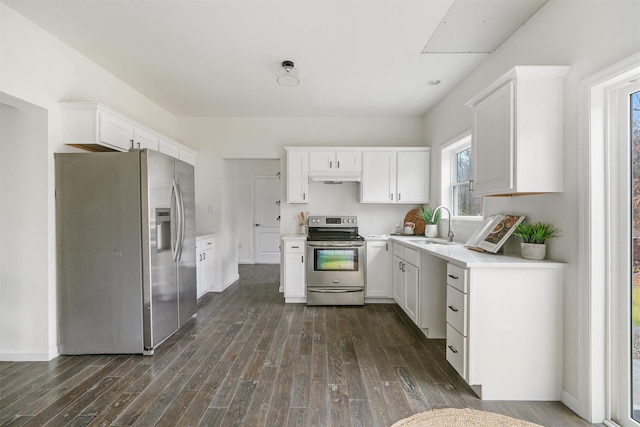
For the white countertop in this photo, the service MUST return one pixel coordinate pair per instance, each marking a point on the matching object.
(204, 236)
(294, 236)
(464, 257)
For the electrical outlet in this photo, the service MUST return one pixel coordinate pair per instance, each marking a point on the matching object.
(239, 245)
(373, 221)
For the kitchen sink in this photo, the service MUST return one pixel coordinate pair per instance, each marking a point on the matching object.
(432, 241)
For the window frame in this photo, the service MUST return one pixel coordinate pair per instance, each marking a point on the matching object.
(448, 176)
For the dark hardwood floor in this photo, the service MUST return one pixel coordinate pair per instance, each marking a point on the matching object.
(250, 360)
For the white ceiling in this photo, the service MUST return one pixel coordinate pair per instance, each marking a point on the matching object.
(221, 57)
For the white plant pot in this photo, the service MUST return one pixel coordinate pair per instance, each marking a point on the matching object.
(533, 250)
(431, 230)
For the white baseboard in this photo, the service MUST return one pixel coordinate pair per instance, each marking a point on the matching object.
(29, 357)
(570, 402)
(296, 300)
(226, 285)
(379, 300)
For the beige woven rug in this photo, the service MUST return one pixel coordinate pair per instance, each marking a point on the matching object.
(451, 417)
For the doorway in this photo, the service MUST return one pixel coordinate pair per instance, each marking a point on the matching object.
(266, 215)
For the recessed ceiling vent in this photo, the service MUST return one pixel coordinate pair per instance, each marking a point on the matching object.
(480, 26)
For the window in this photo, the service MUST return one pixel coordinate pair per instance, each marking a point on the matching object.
(456, 175)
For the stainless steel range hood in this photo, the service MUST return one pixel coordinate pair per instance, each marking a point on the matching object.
(335, 176)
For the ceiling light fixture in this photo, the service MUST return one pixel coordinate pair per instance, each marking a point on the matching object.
(288, 76)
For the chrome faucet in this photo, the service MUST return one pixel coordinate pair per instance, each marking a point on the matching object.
(450, 233)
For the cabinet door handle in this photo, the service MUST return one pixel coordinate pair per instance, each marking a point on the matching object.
(304, 196)
(453, 350)
(204, 256)
(403, 264)
(302, 259)
(391, 196)
(295, 247)
(470, 185)
(399, 196)
(453, 277)
(386, 247)
(452, 308)
(330, 164)
(338, 162)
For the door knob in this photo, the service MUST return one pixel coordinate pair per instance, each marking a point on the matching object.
(257, 225)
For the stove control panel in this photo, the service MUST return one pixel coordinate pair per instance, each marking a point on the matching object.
(333, 221)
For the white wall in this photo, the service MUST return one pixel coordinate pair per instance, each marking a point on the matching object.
(41, 70)
(264, 138)
(24, 290)
(587, 35)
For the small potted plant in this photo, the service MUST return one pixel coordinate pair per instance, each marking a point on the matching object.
(534, 237)
(431, 228)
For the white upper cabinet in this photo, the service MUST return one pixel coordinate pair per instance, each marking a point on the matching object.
(114, 132)
(169, 148)
(517, 133)
(297, 176)
(395, 176)
(331, 160)
(413, 176)
(94, 127)
(378, 177)
(144, 139)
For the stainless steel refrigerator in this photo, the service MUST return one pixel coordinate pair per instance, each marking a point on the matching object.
(125, 250)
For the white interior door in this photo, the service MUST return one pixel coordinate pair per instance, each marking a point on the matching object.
(266, 215)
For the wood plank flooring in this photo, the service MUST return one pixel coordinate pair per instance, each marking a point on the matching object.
(250, 360)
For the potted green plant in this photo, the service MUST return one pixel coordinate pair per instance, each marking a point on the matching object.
(431, 227)
(534, 237)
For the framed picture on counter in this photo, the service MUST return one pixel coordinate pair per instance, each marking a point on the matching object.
(493, 233)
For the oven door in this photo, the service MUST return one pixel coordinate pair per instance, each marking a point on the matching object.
(335, 264)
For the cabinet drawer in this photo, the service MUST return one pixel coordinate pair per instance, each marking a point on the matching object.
(457, 351)
(294, 246)
(457, 310)
(398, 250)
(457, 277)
(205, 244)
(411, 256)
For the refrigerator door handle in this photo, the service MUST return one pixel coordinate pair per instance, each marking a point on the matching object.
(175, 220)
(181, 222)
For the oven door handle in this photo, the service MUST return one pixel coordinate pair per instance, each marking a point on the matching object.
(333, 291)
(335, 245)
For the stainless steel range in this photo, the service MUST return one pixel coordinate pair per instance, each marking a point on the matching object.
(336, 261)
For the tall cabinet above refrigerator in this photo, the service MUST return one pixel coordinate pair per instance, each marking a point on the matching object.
(126, 250)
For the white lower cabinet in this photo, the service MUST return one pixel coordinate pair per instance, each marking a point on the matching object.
(378, 272)
(398, 281)
(418, 288)
(205, 267)
(411, 295)
(295, 289)
(406, 276)
(504, 330)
